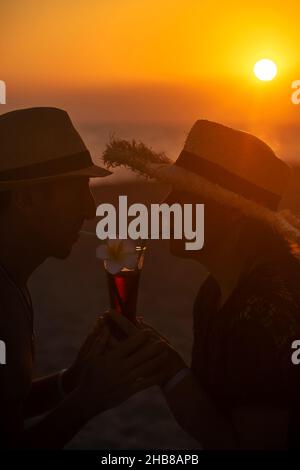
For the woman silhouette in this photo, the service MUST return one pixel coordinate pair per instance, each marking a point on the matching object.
(241, 390)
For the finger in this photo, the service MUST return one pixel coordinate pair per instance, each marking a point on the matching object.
(113, 342)
(144, 354)
(155, 333)
(139, 321)
(86, 346)
(122, 322)
(100, 343)
(107, 312)
(158, 378)
(130, 345)
(139, 387)
(144, 383)
(99, 324)
(132, 388)
(116, 331)
(152, 366)
(129, 389)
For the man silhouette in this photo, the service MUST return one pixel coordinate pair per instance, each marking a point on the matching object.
(44, 199)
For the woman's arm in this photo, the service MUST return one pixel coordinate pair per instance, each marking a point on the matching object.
(248, 427)
(197, 415)
(251, 427)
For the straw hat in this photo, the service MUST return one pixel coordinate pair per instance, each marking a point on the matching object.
(219, 163)
(235, 160)
(39, 145)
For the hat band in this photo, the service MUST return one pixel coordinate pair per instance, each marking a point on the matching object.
(224, 178)
(76, 161)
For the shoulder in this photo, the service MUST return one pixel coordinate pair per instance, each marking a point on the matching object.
(270, 300)
(15, 334)
(13, 313)
(263, 328)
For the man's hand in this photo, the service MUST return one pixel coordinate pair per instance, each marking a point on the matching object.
(106, 375)
(113, 376)
(172, 362)
(72, 376)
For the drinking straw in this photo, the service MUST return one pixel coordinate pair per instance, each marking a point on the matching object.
(142, 245)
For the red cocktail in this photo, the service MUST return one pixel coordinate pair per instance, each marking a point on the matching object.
(123, 286)
(123, 291)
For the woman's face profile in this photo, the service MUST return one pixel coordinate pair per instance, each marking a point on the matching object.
(178, 246)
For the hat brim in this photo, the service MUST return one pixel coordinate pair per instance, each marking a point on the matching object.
(92, 171)
(181, 179)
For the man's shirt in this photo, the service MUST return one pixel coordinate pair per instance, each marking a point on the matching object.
(16, 331)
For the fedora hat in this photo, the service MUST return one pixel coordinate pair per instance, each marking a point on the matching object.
(229, 166)
(39, 145)
(236, 161)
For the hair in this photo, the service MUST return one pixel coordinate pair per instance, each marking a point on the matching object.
(262, 238)
(256, 236)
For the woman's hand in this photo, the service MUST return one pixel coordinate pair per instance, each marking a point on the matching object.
(172, 362)
(113, 376)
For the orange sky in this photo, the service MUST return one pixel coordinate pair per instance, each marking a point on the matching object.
(151, 60)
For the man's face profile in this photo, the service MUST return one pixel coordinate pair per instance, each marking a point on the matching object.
(57, 212)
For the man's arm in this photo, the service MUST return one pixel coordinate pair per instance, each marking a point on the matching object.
(55, 430)
(52, 432)
(109, 379)
(46, 393)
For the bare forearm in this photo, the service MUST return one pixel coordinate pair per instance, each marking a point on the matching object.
(45, 393)
(196, 413)
(44, 396)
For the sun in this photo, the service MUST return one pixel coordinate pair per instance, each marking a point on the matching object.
(265, 70)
